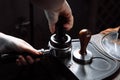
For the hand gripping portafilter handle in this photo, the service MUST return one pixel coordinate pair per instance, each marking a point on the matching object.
(60, 30)
(10, 57)
(84, 36)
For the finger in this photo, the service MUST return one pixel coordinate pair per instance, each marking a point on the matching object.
(104, 32)
(37, 59)
(33, 51)
(69, 23)
(18, 62)
(52, 22)
(24, 46)
(22, 60)
(40, 53)
(52, 28)
(107, 31)
(30, 59)
(68, 14)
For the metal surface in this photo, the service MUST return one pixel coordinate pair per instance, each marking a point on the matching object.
(101, 66)
(111, 45)
(60, 49)
(82, 59)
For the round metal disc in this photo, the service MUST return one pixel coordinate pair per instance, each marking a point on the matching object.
(82, 59)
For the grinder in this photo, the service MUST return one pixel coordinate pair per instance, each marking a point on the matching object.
(60, 42)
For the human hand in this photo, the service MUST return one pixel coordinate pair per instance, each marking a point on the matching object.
(53, 14)
(21, 60)
(13, 44)
(109, 30)
(54, 9)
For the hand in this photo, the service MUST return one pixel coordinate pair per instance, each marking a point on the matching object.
(9, 44)
(109, 30)
(55, 8)
(53, 14)
(26, 60)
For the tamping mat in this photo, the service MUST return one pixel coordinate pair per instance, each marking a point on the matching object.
(101, 66)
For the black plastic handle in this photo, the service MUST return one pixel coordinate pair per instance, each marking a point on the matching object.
(60, 30)
(10, 57)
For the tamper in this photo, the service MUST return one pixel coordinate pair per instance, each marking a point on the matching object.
(60, 42)
(82, 55)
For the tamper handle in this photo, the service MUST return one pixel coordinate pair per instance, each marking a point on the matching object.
(59, 30)
(84, 36)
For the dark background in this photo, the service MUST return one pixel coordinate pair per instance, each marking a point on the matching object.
(21, 19)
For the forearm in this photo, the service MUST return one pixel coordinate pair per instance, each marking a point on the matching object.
(7, 43)
(49, 4)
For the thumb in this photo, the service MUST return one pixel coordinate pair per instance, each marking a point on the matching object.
(52, 17)
(32, 51)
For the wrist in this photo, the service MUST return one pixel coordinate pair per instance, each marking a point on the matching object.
(56, 6)
(49, 5)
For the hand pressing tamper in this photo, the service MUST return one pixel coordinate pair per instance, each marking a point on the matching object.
(83, 56)
(60, 42)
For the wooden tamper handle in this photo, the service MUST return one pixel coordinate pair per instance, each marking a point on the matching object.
(84, 36)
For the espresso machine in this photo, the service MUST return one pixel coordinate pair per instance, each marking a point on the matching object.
(90, 57)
